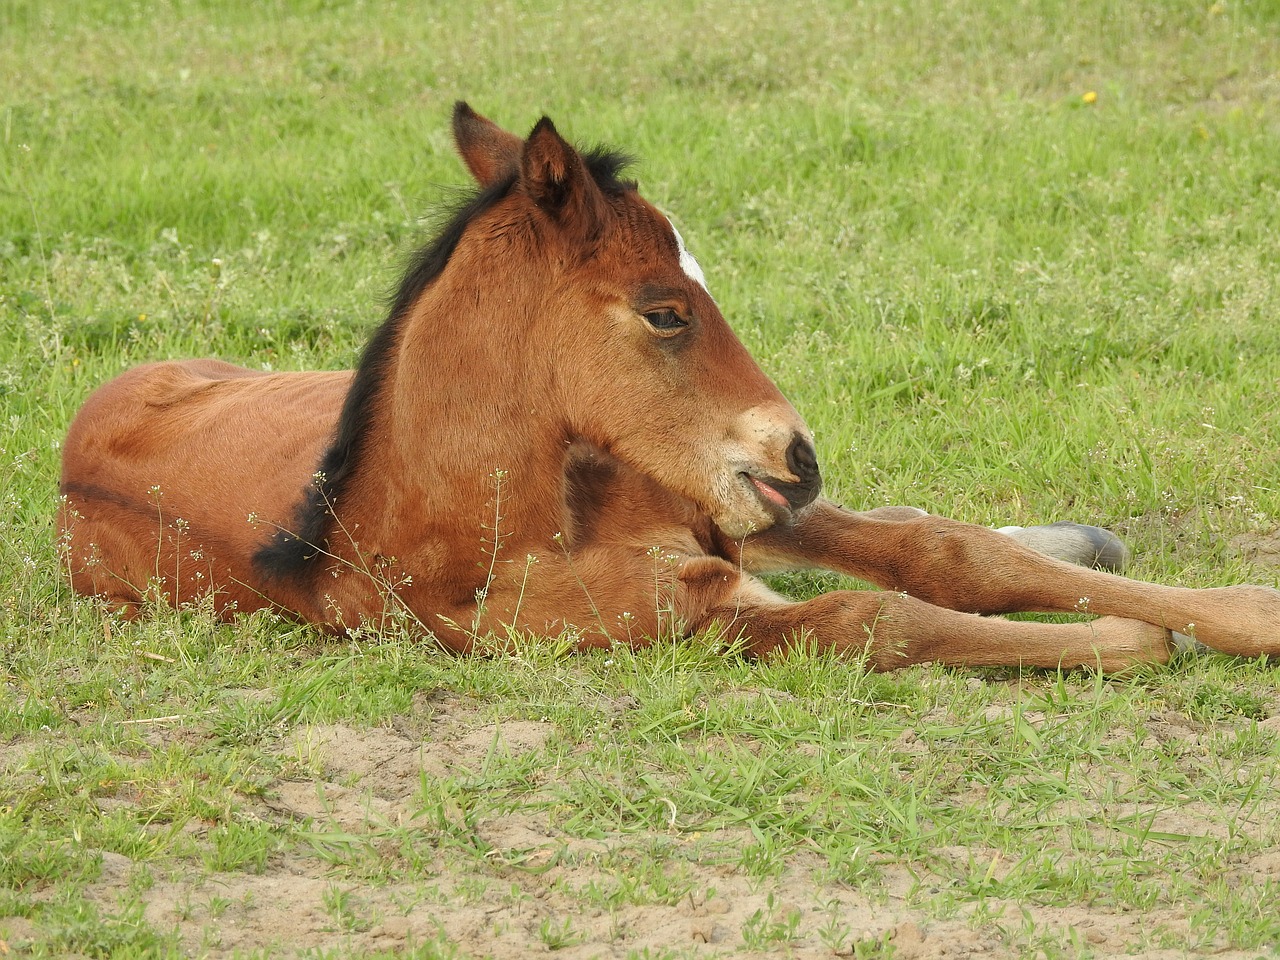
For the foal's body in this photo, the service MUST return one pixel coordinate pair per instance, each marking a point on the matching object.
(555, 430)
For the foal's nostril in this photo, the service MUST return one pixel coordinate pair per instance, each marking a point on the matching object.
(802, 459)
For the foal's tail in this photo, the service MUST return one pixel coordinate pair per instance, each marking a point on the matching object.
(1076, 543)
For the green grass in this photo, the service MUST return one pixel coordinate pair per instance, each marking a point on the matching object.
(990, 297)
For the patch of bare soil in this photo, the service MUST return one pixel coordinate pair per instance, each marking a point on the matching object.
(530, 898)
(1260, 548)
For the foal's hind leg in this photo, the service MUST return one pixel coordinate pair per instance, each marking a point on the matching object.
(969, 568)
(99, 561)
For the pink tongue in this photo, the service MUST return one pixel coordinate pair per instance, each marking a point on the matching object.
(770, 493)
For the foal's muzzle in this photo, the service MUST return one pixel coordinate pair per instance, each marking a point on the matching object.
(802, 461)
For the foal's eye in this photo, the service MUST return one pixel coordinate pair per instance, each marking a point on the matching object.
(665, 321)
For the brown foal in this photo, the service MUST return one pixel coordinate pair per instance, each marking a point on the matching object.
(555, 430)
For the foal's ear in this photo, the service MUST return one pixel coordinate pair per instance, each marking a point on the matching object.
(556, 178)
(489, 152)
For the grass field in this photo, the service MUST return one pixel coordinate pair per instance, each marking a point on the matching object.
(1014, 262)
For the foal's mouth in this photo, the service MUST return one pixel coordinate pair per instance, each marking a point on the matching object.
(781, 497)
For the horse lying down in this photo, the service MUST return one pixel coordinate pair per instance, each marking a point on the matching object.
(555, 430)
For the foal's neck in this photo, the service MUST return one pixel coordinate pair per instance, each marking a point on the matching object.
(467, 433)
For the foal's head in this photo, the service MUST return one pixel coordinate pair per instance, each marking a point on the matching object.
(639, 360)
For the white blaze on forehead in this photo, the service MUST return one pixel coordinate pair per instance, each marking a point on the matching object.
(687, 263)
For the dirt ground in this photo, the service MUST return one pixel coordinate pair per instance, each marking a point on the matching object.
(1260, 548)
(369, 780)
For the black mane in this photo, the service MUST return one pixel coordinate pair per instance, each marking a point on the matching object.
(289, 552)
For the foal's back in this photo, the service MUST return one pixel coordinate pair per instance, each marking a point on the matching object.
(189, 450)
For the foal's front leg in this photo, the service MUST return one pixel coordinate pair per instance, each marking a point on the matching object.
(896, 630)
(970, 568)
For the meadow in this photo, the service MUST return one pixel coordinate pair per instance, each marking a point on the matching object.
(1014, 262)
